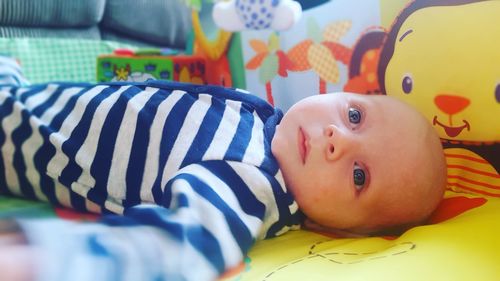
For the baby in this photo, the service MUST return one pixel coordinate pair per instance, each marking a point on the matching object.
(199, 173)
(360, 164)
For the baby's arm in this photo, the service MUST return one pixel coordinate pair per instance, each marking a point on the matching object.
(202, 233)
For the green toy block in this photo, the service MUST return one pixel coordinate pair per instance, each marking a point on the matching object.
(134, 68)
(139, 68)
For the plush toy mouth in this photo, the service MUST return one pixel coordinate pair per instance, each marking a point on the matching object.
(452, 131)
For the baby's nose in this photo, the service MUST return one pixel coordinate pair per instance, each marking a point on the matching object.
(334, 142)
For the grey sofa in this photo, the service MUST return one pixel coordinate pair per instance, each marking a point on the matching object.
(163, 23)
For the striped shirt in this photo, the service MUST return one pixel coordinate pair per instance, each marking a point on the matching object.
(188, 167)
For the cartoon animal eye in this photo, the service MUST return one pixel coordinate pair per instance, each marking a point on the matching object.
(354, 116)
(407, 84)
(359, 177)
(497, 92)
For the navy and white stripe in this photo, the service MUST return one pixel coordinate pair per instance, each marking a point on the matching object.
(11, 73)
(189, 166)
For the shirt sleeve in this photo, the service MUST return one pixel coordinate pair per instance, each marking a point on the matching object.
(208, 218)
(11, 72)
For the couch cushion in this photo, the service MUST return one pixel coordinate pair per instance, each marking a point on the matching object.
(92, 32)
(161, 22)
(51, 13)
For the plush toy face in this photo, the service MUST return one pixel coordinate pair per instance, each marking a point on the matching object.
(446, 61)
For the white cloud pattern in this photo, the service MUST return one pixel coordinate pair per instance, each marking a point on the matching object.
(237, 15)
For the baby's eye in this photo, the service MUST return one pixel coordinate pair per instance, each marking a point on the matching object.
(354, 116)
(359, 177)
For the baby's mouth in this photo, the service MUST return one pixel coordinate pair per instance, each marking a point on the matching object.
(451, 131)
(303, 145)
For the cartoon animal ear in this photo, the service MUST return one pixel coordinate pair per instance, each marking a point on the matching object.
(264, 14)
(363, 66)
(371, 40)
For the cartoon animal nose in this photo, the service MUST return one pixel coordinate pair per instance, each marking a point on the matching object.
(451, 104)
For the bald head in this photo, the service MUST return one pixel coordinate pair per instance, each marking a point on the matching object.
(418, 184)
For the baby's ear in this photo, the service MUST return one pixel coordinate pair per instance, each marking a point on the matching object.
(339, 233)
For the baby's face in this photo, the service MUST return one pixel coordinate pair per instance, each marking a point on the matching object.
(352, 161)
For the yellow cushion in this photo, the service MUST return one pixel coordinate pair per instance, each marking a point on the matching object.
(461, 244)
